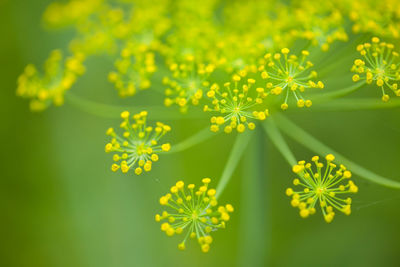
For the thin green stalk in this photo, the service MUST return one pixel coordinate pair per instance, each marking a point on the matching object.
(114, 111)
(357, 104)
(277, 139)
(195, 139)
(304, 138)
(337, 93)
(254, 235)
(239, 147)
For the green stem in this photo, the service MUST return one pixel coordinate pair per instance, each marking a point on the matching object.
(337, 93)
(277, 139)
(315, 145)
(239, 146)
(114, 111)
(255, 228)
(357, 104)
(195, 139)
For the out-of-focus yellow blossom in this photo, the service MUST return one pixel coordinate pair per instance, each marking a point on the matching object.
(61, 14)
(135, 68)
(49, 87)
(187, 83)
(322, 24)
(380, 18)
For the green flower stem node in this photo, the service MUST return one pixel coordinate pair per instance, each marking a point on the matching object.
(277, 139)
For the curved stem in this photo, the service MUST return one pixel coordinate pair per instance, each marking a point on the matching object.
(357, 104)
(277, 139)
(239, 147)
(114, 111)
(304, 138)
(195, 139)
(338, 93)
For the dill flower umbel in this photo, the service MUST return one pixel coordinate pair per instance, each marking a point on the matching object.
(134, 69)
(236, 103)
(139, 145)
(193, 211)
(49, 87)
(381, 66)
(322, 186)
(188, 81)
(289, 74)
(321, 25)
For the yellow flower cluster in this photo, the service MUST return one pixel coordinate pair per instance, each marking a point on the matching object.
(49, 87)
(376, 17)
(381, 65)
(64, 14)
(323, 187)
(134, 69)
(194, 213)
(188, 81)
(289, 74)
(321, 24)
(138, 147)
(236, 104)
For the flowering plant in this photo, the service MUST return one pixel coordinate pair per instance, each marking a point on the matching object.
(243, 74)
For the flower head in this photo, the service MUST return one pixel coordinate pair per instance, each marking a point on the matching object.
(381, 66)
(321, 25)
(194, 212)
(49, 87)
(134, 69)
(189, 80)
(289, 74)
(322, 186)
(236, 103)
(139, 145)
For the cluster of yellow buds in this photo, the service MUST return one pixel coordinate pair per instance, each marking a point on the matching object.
(139, 145)
(381, 66)
(194, 212)
(373, 17)
(322, 185)
(134, 69)
(322, 26)
(59, 75)
(60, 14)
(288, 74)
(188, 81)
(236, 104)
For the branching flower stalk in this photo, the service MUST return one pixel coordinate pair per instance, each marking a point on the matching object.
(237, 72)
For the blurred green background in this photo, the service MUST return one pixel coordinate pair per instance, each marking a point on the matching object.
(62, 205)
